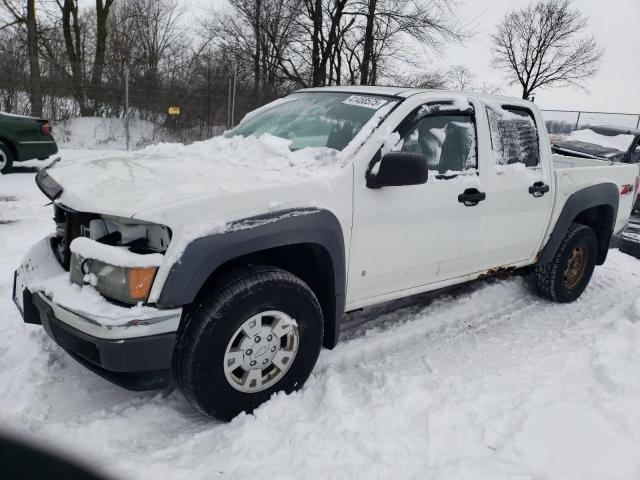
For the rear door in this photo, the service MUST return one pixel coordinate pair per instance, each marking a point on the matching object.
(519, 195)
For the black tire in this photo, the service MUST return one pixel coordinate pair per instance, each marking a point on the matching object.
(7, 155)
(550, 280)
(211, 323)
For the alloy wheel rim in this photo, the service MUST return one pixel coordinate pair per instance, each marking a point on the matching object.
(3, 159)
(261, 351)
(575, 267)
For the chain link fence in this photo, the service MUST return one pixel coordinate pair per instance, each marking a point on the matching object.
(132, 108)
(562, 122)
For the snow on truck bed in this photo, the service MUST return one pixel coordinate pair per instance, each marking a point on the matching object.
(488, 382)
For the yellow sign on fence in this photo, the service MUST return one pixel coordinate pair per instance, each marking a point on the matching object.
(174, 110)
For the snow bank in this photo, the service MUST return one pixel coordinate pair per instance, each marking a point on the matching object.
(487, 382)
(99, 133)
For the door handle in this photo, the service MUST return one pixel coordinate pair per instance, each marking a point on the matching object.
(471, 197)
(538, 189)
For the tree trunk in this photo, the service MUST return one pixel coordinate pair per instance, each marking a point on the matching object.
(256, 58)
(102, 14)
(35, 87)
(373, 77)
(332, 39)
(367, 53)
(73, 48)
(316, 15)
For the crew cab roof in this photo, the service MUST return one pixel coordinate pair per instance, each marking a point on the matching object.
(405, 92)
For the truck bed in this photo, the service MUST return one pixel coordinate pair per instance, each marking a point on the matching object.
(573, 174)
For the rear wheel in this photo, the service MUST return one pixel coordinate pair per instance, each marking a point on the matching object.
(568, 274)
(259, 331)
(6, 158)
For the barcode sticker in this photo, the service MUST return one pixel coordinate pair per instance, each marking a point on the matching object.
(364, 101)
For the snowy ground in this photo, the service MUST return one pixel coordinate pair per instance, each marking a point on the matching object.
(488, 382)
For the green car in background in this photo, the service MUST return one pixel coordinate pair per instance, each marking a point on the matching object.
(24, 138)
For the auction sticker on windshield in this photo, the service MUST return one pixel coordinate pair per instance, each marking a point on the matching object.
(364, 101)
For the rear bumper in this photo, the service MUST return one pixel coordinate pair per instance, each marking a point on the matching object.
(134, 353)
(41, 149)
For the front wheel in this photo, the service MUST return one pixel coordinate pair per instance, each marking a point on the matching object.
(259, 331)
(567, 275)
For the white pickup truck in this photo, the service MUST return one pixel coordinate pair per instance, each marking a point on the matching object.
(229, 263)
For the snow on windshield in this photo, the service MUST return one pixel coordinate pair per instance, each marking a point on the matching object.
(620, 142)
(314, 119)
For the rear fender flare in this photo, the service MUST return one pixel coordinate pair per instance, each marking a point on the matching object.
(603, 194)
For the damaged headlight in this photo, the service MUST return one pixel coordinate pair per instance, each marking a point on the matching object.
(123, 284)
(119, 257)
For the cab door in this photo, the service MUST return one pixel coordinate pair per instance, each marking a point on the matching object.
(409, 237)
(519, 194)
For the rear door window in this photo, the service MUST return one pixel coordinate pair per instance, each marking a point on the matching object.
(514, 135)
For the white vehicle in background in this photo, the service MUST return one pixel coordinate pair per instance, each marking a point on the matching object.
(229, 263)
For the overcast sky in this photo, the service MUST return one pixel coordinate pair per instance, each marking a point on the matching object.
(615, 23)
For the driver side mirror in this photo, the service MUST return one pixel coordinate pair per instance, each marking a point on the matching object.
(399, 169)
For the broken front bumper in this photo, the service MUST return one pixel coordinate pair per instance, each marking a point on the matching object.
(130, 346)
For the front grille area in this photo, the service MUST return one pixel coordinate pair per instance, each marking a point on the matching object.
(69, 226)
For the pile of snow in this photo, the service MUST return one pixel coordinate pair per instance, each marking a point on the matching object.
(489, 382)
(620, 142)
(169, 173)
(99, 133)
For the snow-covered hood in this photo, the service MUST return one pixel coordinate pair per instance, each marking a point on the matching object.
(131, 184)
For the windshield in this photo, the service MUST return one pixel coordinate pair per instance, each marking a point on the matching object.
(313, 119)
(620, 141)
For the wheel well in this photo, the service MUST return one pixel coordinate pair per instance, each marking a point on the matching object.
(11, 147)
(308, 261)
(600, 219)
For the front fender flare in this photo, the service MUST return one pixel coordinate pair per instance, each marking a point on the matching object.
(204, 255)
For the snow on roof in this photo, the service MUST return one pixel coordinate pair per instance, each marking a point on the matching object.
(400, 91)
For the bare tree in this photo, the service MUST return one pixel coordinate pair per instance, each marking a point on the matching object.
(72, 31)
(389, 23)
(432, 80)
(541, 46)
(461, 78)
(102, 16)
(28, 19)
